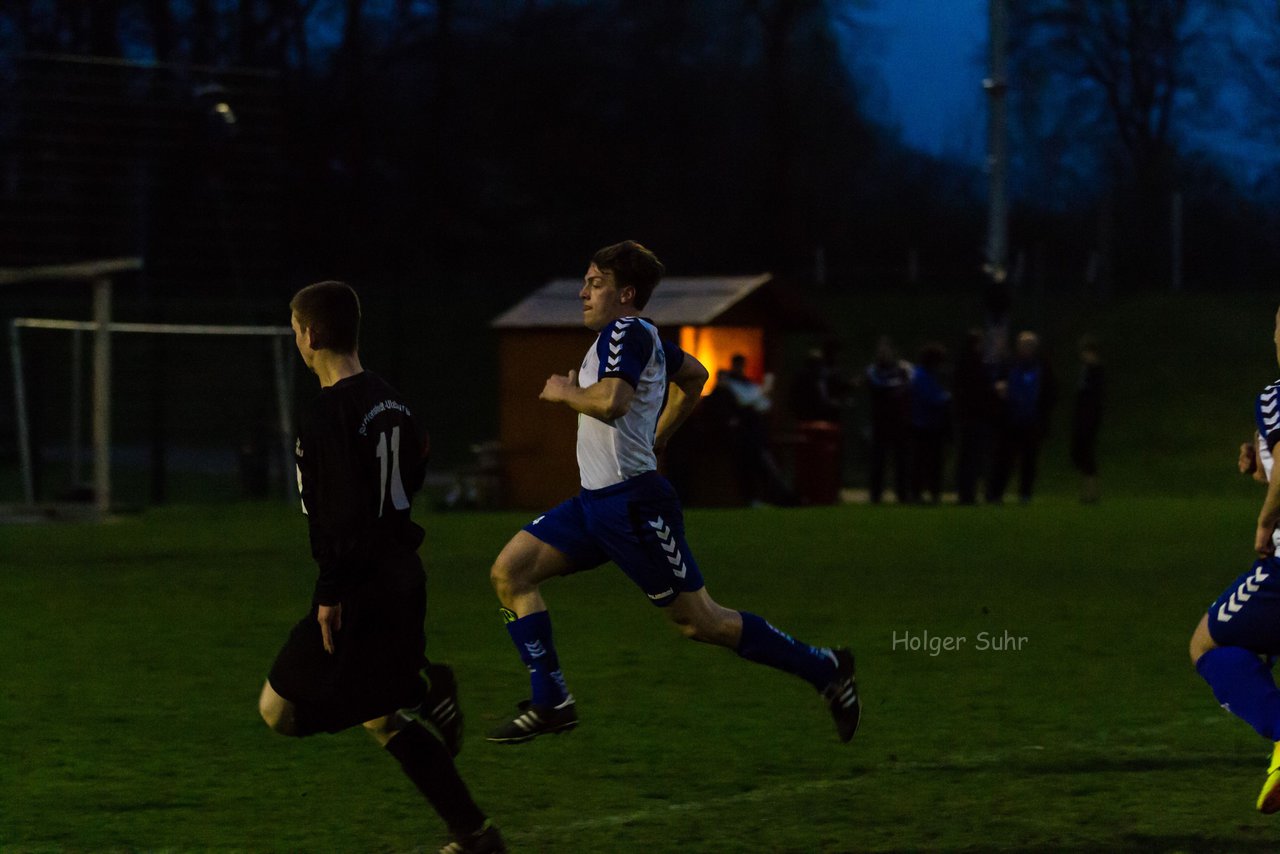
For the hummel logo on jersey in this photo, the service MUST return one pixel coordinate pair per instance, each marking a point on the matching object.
(615, 348)
(539, 519)
(669, 545)
(1235, 602)
(662, 595)
(536, 649)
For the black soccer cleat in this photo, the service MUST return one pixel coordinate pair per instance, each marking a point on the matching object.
(842, 696)
(440, 709)
(486, 840)
(533, 721)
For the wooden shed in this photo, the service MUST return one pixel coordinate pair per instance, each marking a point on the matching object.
(711, 317)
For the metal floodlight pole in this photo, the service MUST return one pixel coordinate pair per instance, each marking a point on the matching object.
(996, 86)
(102, 396)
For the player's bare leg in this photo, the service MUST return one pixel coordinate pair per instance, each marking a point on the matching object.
(278, 712)
(521, 567)
(1201, 640)
(701, 618)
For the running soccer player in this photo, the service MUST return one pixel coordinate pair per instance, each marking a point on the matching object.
(357, 656)
(633, 390)
(1230, 645)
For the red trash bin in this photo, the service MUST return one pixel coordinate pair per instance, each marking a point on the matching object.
(817, 462)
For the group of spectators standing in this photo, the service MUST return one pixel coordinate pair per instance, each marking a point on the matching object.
(994, 405)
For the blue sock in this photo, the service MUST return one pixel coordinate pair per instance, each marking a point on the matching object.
(532, 637)
(764, 644)
(1244, 687)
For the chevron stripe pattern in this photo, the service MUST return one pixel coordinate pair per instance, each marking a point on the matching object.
(667, 540)
(1248, 587)
(1267, 413)
(1268, 404)
(615, 343)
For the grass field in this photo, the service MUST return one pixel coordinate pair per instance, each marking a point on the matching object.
(133, 653)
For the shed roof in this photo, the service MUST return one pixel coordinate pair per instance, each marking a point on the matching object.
(689, 301)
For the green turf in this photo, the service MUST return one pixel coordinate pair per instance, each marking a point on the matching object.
(134, 651)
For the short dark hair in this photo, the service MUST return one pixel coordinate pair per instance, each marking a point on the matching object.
(331, 311)
(932, 356)
(633, 265)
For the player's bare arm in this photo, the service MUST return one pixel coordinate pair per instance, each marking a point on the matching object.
(1248, 460)
(1268, 518)
(606, 400)
(685, 391)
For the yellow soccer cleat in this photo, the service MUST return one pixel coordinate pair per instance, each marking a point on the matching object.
(1269, 797)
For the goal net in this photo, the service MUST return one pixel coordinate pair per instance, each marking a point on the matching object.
(109, 414)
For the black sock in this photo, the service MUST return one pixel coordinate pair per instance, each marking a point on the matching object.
(428, 764)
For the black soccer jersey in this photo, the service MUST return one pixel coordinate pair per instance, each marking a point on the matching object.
(360, 457)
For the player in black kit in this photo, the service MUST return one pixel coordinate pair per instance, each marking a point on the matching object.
(357, 657)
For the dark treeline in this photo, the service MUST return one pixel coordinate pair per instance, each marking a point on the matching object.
(501, 141)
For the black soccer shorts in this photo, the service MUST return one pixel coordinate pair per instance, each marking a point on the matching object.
(378, 653)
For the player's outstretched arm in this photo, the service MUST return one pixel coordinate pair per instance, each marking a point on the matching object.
(606, 400)
(1268, 518)
(685, 392)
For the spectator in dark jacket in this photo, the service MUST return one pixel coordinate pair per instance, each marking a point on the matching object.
(930, 424)
(976, 411)
(1087, 418)
(888, 380)
(1027, 392)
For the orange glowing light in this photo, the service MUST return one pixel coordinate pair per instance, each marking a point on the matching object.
(715, 346)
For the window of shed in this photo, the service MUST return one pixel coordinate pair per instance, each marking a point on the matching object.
(715, 347)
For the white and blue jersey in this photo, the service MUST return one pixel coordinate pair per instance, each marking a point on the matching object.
(627, 512)
(630, 349)
(1247, 614)
(1266, 414)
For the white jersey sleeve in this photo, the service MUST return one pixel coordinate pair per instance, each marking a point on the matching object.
(1266, 413)
(614, 451)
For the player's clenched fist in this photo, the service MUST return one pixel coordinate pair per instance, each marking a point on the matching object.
(557, 384)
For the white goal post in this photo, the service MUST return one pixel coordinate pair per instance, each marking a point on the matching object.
(99, 275)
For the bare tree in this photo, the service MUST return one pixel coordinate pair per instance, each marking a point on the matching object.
(1118, 71)
(1104, 96)
(1255, 60)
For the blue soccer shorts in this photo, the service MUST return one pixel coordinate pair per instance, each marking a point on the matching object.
(1247, 614)
(637, 524)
